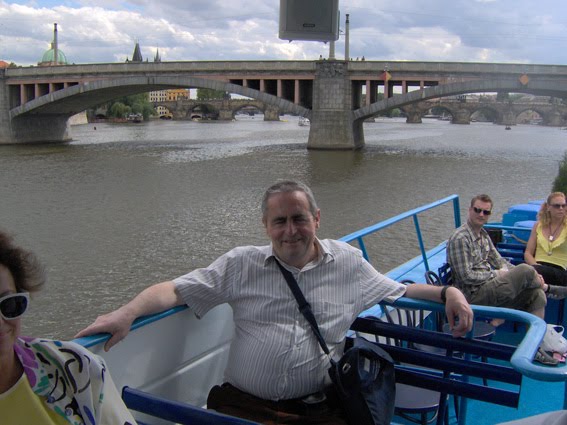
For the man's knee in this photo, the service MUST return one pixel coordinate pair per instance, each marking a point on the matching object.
(525, 275)
(526, 270)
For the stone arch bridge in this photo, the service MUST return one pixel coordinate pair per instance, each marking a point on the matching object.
(552, 113)
(36, 102)
(225, 109)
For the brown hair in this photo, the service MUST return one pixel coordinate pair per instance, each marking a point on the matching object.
(543, 215)
(483, 198)
(27, 271)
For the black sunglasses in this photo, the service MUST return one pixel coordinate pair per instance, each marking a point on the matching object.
(14, 305)
(559, 205)
(480, 210)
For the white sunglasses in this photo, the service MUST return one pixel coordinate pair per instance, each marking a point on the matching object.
(14, 305)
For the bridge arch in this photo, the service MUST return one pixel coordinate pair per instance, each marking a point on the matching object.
(544, 114)
(494, 114)
(245, 104)
(77, 98)
(542, 88)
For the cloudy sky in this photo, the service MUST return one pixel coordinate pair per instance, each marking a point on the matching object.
(522, 31)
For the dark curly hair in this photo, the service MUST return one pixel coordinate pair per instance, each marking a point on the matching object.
(27, 271)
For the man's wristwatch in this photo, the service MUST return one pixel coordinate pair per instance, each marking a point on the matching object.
(443, 294)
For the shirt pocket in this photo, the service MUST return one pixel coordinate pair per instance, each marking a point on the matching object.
(334, 320)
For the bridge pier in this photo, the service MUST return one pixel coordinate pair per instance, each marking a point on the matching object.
(413, 114)
(5, 123)
(226, 115)
(461, 116)
(41, 129)
(271, 113)
(332, 123)
(507, 118)
(30, 128)
(554, 119)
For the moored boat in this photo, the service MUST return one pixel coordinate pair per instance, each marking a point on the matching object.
(174, 356)
(135, 118)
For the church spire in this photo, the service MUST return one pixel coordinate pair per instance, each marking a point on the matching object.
(137, 56)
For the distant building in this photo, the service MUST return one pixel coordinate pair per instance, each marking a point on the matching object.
(167, 95)
(175, 94)
(54, 56)
(4, 64)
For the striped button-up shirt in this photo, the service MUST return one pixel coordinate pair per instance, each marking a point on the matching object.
(473, 258)
(274, 354)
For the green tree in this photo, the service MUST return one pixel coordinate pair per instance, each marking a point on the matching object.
(395, 113)
(119, 110)
(206, 94)
(137, 104)
(560, 182)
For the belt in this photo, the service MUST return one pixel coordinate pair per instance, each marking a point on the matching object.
(310, 404)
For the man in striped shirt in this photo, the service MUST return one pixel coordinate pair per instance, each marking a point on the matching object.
(276, 368)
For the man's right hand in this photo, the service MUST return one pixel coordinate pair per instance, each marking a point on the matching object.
(117, 323)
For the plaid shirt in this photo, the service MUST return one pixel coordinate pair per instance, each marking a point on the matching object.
(473, 258)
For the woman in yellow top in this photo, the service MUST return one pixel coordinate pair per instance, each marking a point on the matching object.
(46, 382)
(546, 250)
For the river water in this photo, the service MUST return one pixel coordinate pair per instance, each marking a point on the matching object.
(127, 205)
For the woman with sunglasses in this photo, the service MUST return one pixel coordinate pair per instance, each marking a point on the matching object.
(44, 381)
(546, 250)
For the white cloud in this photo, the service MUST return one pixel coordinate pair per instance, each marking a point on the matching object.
(522, 31)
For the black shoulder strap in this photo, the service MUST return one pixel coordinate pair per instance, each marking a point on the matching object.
(304, 306)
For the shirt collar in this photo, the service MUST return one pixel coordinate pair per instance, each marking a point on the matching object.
(325, 254)
(483, 232)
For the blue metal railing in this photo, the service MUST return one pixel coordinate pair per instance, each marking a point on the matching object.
(522, 359)
(359, 235)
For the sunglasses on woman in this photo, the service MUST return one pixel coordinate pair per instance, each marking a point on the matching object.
(14, 305)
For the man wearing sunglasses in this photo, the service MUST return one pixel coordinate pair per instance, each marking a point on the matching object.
(486, 278)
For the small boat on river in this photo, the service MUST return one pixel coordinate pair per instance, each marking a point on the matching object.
(170, 360)
(136, 118)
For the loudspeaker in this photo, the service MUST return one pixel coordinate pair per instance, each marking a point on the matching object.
(316, 20)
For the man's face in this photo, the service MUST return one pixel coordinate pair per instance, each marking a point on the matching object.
(291, 226)
(477, 213)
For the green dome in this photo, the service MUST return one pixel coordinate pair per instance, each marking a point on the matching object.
(48, 57)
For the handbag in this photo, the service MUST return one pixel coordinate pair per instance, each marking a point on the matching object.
(364, 375)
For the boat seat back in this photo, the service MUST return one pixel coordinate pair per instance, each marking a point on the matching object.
(463, 367)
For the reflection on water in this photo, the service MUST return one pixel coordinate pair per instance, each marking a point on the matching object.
(124, 206)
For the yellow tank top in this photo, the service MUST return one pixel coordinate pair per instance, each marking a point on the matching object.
(20, 405)
(554, 252)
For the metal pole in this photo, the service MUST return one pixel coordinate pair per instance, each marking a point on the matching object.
(332, 50)
(55, 46)
(347, 57)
